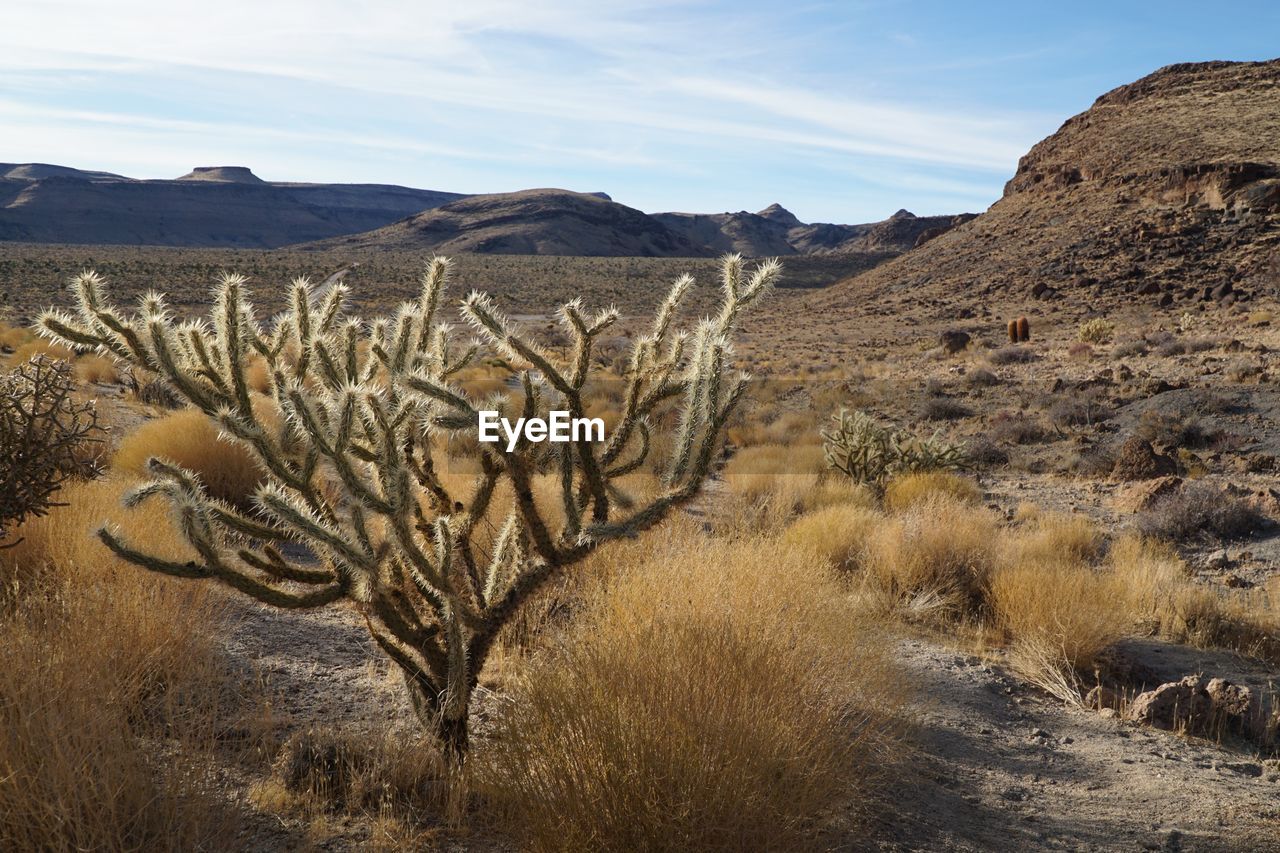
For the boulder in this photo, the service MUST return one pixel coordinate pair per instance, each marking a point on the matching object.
(1138, 460)
(1181, 704)
(1143, 495)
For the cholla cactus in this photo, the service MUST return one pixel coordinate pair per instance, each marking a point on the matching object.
(43, 438)
(869, 453)
(351, 464)
(1096, 331)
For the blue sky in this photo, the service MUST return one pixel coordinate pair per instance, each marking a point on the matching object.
(841, 111)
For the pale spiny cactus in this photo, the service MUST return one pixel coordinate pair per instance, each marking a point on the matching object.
(870, 453)
(351, 467)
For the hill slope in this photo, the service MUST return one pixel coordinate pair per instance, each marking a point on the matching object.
(1166, 190)
(223, 206)
(777, 231)
(530, 222)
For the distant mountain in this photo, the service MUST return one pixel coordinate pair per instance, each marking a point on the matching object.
(777, 231)
(530, 222)
(230, 206)
(226, 206)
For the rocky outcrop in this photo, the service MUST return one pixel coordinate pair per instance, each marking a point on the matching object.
(1166, 190)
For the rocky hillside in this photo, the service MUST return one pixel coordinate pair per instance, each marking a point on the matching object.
(777, 231)
(530, 222)
(1166, 191)
(216, 206)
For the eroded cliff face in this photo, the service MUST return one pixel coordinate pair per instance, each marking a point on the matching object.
(1166, 190)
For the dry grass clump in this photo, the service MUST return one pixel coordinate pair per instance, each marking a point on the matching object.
(99, 663)
(706, 701)
(907, 490)
(97, 368)
(939, 549)
(770, 484)
(40, 346)
(12, 337)
(188, 438)
(837, 534)
(394, 778)
(1162, 600)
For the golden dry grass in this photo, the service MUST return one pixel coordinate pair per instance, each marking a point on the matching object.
(907, 490)
(715, 697)
(97, 368)
(938, 549)
(97, 661)
(40, 346)
(190, 439)
(837, 534)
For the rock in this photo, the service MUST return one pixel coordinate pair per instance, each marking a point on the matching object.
(1143, 495)
(1038, 289)
(1165, 300)
(1137, 460)
(1217, 560)
(954, 340)
(1197, 706)
(1177, 704)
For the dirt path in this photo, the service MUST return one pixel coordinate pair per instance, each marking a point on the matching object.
(1001, 767)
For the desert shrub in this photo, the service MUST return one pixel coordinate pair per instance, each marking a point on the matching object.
(980, 377)
(685, 673)
(941, 549)
(1011, 355)
(110, 685)
(1094, 462)
(1197, 510)
(1015, 428)
(867, 452)
(45, 438)
(1081, 407)
(1174, 429)
(1096, 331)
(351, 456)
(944, 409)
(837, 534)
(187, 437)
(382, 774)
(907, 490)
(983, 452)
(1172, 347)
(1080, 350)
(1129, 349)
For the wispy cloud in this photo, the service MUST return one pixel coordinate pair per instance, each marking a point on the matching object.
(502, 93)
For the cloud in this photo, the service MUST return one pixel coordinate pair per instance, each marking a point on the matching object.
(652, 89)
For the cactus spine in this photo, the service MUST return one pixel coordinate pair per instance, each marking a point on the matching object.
(351, 463)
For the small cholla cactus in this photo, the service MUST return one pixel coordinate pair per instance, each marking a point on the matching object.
(44, 434)
(1024, 330)
(870, 453)
(351, 464)
(1013, 331)
(1096, 331)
